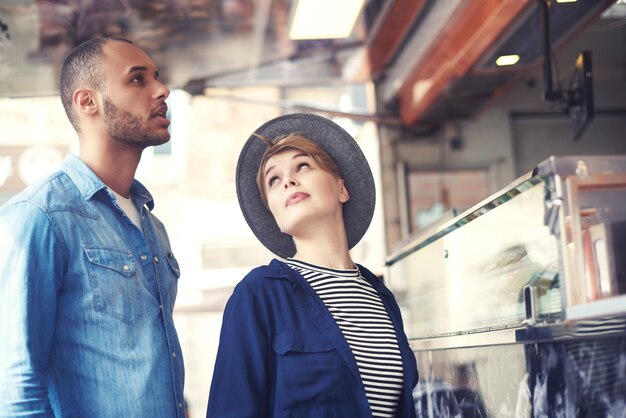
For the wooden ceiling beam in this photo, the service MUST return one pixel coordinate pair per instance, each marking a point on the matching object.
(385, 39)
(392, 31)
(475, 27)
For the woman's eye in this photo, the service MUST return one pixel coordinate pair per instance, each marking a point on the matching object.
(272, 180)
(303, 164)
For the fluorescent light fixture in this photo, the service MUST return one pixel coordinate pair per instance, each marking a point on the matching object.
(324, 19)
(566, 1)
(507, 60)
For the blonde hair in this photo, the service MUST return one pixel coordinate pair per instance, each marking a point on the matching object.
(297, 142)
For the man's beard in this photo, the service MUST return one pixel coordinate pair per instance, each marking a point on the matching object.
(127, 129)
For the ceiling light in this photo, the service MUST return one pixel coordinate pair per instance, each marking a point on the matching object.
(324, 19)
(507, 60)
(566, 1)
(420, 88)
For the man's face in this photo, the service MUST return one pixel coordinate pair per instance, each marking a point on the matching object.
(127, 128)
(134, 108)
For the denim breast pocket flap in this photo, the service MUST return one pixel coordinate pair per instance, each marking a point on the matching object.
(120, 261)
(173, 263)
(114, 282)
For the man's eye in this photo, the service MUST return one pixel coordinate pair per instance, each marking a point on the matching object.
(137, 79)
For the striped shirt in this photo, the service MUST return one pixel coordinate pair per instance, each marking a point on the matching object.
(364, 322)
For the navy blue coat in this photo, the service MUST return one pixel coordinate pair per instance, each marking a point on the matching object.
(281, 353)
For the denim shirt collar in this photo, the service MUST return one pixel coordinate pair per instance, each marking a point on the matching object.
(88, 183)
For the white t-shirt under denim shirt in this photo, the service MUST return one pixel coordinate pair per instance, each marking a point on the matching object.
(128, 207)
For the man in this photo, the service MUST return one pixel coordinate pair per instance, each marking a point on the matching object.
(87, 276)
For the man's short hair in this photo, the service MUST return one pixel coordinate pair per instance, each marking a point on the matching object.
(82, 68)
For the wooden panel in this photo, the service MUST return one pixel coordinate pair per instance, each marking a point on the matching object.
(393, 30)
(476, 26)
(384, 41)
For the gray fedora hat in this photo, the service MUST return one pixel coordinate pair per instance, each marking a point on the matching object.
(357, 211)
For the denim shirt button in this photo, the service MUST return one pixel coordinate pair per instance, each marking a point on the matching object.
(174, 354)
(156, 259)
(126, 268)
(144, 257)
(180, 405)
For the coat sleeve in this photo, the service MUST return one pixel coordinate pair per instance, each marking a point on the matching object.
(240, 378)
(30, 276)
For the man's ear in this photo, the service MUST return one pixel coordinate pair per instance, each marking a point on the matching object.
(344, 196)
(85, 101)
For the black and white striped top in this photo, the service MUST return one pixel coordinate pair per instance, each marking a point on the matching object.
(366, 325)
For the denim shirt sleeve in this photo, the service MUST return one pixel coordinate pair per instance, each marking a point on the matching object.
(30, 275)
(239, 386)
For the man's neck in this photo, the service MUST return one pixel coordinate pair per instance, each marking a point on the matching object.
(116, 170)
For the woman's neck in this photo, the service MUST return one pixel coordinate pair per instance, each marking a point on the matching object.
(327, 253)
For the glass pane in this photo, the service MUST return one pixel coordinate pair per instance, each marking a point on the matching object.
(473, 278)
(432, 193)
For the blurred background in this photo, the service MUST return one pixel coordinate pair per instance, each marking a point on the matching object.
(450, 100)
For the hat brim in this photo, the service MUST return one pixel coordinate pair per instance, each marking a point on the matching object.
(357, 176)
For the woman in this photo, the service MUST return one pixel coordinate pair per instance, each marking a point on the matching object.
(314, 335)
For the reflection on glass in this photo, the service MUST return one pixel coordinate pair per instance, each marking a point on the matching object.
(594, 230)
(472, 278)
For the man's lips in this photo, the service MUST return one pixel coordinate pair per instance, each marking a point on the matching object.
(295, 198)
(162, 120)
(160, 115)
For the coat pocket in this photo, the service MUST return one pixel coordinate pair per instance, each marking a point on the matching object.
(310, 371)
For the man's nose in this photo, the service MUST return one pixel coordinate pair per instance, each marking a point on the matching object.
(162, 90)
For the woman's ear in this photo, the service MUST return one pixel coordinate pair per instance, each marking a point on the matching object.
(344, 196)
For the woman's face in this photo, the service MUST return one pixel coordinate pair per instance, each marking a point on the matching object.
(300, 194)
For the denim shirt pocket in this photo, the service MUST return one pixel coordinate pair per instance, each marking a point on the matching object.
(112, 274)
(310, 371)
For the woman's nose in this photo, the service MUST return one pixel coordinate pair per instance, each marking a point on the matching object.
(290, 182)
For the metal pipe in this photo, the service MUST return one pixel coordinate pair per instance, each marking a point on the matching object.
(548, 93)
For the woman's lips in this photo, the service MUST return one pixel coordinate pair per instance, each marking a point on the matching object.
(295, 198)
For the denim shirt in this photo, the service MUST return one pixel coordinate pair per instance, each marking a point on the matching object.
(86, 303)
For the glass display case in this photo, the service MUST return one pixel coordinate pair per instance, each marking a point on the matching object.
(542, 250)
(471, 275)
(518, 297)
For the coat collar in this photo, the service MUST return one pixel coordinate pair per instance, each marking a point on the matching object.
(314, 308)
(322, 319)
